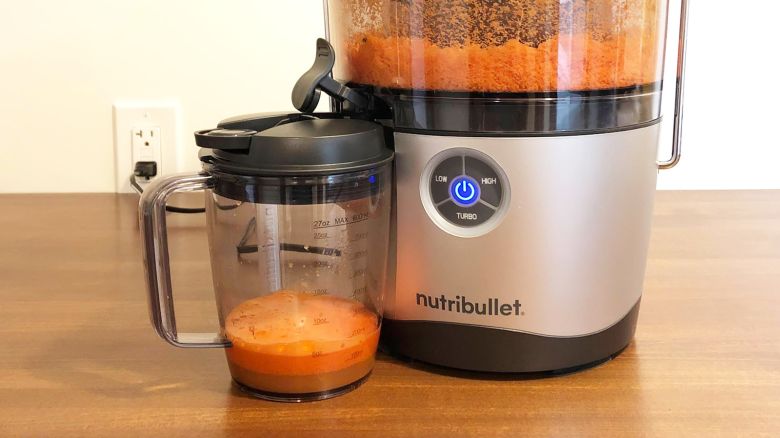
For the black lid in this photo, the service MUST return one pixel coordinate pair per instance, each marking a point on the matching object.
(293, 144)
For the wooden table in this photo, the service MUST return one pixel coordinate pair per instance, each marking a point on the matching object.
(80, 358)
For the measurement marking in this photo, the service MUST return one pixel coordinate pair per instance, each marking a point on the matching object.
(357, 331)
(341, 224)
(358, 255)
(294, 247)
(358, 237)
(310, 249)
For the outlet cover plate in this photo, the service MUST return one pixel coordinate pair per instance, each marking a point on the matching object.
(129, 115)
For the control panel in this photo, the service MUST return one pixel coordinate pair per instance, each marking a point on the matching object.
(466, 189)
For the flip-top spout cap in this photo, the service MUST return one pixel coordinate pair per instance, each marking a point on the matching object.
(306, 93)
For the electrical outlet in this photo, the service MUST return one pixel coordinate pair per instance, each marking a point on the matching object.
(147, 149)
(145, 132)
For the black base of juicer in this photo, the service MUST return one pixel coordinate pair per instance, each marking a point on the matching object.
(474, 348)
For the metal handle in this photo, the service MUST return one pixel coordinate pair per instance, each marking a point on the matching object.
(679, 91)
(154, 235)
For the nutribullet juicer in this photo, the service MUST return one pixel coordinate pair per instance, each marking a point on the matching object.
(525, 136)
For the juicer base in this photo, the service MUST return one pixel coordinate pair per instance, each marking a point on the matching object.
(486, 349)
(298, 398)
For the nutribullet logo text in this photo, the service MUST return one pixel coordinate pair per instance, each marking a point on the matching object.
(461, 304)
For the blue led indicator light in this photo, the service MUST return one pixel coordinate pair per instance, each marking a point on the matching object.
(372, 179)
(464, 191)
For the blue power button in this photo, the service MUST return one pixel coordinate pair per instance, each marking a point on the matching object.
(464, 190)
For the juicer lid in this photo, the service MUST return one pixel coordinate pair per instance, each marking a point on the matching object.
(293, 144)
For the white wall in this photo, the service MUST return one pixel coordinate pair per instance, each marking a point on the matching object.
(732, 105)
(62, 64)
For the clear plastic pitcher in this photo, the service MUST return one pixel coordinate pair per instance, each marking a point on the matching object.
(298, 225)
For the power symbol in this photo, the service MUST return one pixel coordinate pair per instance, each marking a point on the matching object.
(464, 191)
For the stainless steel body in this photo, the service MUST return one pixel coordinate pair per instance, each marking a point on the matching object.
(558, 266)
(570, 248)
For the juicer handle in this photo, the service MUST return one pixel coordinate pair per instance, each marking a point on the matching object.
(154, 236)
(679, 91)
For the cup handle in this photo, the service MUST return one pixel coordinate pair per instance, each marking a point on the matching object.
(154, 237)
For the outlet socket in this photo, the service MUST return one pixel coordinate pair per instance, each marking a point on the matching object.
(147, 147)
(144, 131)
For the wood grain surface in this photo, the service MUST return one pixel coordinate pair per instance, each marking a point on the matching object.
(79, 357)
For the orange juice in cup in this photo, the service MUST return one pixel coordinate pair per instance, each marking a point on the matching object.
(296, 343)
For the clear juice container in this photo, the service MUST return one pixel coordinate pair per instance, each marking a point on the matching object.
(298, 224)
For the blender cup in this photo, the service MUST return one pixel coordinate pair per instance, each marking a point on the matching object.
(298, 217)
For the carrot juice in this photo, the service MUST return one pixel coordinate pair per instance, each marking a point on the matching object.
(295, 343)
